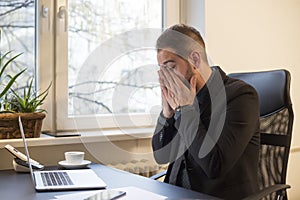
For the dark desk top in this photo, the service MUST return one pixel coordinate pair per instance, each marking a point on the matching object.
(19, 185)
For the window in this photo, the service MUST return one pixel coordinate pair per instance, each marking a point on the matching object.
(111, 72)
(17, 34)
(91, 25)
(98, 55)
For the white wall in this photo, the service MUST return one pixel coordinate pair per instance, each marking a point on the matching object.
(256, 35)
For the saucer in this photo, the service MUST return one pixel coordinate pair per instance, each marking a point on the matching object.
(67, 165)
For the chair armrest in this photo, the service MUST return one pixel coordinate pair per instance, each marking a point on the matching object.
(266, 191)
(158, 175)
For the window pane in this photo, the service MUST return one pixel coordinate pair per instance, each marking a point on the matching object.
(124, 85)
(17, 25)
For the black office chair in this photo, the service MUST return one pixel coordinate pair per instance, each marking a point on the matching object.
(276, 123)
(276, 117)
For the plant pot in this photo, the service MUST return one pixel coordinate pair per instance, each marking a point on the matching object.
(9, 125)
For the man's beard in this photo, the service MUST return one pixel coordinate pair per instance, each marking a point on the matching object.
(188, 75)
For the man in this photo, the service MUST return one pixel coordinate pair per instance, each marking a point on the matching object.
(208, 130)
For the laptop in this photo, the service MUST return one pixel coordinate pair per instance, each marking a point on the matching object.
(61, 179)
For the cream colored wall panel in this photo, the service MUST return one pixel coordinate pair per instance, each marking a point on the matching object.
(293, 177)
(256, 35)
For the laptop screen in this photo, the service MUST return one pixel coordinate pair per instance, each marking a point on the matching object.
(26, 149)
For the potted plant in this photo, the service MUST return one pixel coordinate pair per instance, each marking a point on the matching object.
(25, 105)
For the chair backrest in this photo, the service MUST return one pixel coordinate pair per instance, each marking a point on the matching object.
(276, 122)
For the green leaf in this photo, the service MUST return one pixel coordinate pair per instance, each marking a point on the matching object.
(12, 80)
(8, 62)
(1, 60)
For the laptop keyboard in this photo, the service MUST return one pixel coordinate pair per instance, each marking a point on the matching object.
(56, 178)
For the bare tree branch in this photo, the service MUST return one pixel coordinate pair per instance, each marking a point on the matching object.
(114, 83)
(94, 101)
(17, 6)
(16, 26)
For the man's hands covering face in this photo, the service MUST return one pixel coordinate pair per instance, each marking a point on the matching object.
(176, 90)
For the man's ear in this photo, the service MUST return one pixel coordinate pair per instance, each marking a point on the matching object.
(195, 58)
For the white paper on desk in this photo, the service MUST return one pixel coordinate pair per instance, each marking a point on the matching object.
(132, 193)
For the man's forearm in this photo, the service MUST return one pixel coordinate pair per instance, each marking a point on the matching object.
(163, 135)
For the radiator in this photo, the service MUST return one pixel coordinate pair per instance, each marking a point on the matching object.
(142, 167)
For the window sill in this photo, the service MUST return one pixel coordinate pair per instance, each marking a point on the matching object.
(83, 137)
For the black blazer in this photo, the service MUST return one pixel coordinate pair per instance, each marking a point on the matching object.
(220, 136)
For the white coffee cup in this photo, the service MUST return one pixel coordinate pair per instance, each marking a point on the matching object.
(74, 157)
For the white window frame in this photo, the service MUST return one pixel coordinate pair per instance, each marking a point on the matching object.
(53, 67)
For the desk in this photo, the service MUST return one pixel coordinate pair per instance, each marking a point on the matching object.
(19, 185)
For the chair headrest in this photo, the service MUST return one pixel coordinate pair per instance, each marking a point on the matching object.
(272, 88)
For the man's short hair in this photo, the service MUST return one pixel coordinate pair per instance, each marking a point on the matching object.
(182, 40)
